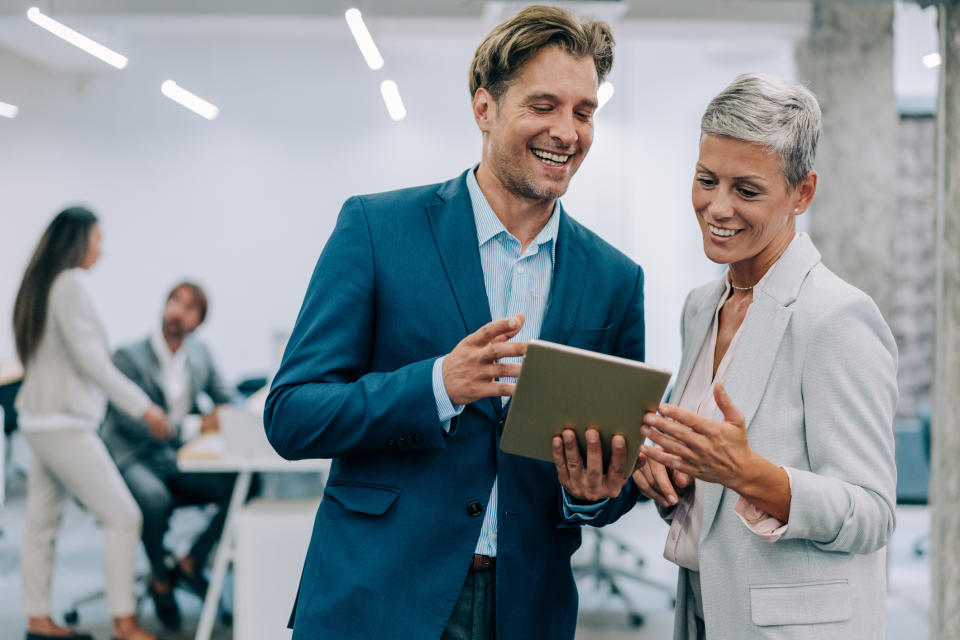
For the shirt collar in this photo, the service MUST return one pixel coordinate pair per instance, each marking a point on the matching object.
(164, 355)
(489, 225)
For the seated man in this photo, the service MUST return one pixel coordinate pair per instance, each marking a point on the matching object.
(173, 368)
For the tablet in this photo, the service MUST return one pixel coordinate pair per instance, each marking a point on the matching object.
(561, 386)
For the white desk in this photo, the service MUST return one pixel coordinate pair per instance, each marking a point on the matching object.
(244, 466)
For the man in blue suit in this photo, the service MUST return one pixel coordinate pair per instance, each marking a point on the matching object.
(408, 343)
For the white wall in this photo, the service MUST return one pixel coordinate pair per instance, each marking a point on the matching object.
(245, 203)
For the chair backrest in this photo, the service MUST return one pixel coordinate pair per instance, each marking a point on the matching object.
(8, 393)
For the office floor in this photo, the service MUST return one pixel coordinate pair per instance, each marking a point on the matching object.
(78, 570)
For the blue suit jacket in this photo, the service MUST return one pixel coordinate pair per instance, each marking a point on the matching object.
(399, 284)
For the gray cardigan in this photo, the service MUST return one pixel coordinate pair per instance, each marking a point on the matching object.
(70, 376)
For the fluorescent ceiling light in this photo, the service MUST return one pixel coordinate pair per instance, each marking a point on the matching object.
(391, 96)
(8, 110)
(931, 60)
(92, 47)
(364, 41)
(189, 100)
(604, 93)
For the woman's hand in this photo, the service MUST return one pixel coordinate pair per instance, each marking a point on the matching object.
(703, 448)
(717, 452)
(659, 483)
(156, 419)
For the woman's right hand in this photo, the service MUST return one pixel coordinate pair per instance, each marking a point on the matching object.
(156, 419)
(662, 485)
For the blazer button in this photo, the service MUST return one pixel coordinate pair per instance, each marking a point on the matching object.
(391, 443)
(402, 441)
(474, 509)
(500, 423)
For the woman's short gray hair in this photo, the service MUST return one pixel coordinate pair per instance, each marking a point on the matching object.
(769, 111)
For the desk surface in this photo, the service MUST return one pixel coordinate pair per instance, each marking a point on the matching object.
(207, 454)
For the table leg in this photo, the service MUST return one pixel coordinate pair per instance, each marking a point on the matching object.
(224, 555)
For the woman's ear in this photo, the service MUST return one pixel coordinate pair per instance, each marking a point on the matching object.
(805, 192)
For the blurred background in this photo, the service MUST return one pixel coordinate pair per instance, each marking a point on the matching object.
(243, 203)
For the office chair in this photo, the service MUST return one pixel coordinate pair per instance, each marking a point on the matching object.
(610, 576)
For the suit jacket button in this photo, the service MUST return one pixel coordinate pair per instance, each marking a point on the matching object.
(500, 423)
(402, 441)
(474, 509)
(391, 443)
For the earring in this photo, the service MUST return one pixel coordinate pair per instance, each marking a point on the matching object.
(796, 209)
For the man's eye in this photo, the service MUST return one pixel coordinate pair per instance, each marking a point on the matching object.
(540, 108)
(706, 182)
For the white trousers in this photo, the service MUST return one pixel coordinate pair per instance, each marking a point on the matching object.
(75, 462)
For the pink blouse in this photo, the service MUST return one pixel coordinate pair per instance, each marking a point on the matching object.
(683, 540)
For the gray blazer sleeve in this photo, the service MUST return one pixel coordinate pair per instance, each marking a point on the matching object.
(86, 344)
(846, 501)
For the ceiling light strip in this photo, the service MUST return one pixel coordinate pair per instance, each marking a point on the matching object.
(363, 38)
(391, 97)
(8, 110)
(79, 40)
(189, 100)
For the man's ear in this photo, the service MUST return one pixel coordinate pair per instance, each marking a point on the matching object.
(484, 109)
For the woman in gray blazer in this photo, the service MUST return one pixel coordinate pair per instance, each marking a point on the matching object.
(783, 406)
(68, 376)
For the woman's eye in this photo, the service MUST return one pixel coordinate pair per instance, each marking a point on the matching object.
(747, 193)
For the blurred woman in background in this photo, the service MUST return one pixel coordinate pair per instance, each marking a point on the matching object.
(68, 376)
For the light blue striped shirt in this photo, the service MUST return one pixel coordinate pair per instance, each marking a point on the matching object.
(517, 281)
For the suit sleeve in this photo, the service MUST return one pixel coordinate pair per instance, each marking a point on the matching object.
(324, 401)
(846, 501)
(629, 344)
(132, 426)
(218, 390)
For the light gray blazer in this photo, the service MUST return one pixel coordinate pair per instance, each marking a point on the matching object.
(129, 439)
(815, 376)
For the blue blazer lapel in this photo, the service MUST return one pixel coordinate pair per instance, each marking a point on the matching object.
(455, 233)
(566, 292)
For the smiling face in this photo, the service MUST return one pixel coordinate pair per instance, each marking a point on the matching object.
(744, 208)
(542, 128)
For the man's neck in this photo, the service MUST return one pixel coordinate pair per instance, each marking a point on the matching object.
(173, 343)
(523, 218)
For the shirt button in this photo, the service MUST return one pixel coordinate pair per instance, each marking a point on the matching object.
(474, 509)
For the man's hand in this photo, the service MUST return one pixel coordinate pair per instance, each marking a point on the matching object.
(210, 423)
(471, 370)
(156, 419)
(590, 484)
(659, 483)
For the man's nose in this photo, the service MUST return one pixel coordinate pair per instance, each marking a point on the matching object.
(563, 130)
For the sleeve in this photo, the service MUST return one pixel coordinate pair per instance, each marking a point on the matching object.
(629, 344)
(217, 388)
(759, 522)
(324, 401)
(446, 410)
(87, 347)
(129, 424)
(846, 500)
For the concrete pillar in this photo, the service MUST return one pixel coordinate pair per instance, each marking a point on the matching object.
(847, 61)
(945, 477)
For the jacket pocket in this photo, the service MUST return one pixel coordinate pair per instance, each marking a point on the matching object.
(372, 499)
(800, 603)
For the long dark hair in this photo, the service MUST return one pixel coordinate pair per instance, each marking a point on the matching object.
(62, 246)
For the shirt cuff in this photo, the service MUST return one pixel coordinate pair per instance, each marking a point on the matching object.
(446, 410)
(759, 522)
(581, 512)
